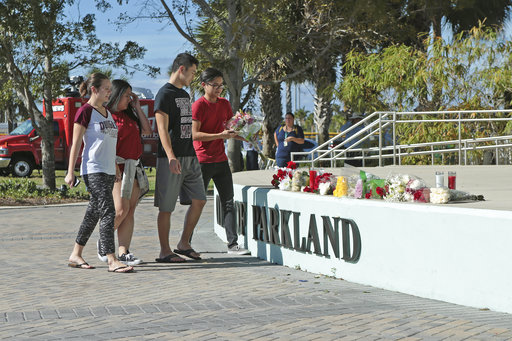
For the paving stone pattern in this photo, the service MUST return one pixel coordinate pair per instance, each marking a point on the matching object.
(222, 297)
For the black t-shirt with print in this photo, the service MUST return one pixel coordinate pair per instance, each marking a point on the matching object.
(175, 102)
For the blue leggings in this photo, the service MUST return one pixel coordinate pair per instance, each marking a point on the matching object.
(101, 207)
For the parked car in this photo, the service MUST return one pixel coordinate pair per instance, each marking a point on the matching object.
(308, 146)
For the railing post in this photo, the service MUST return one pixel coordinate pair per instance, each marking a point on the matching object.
(362, 155)
(380, 139)
(432, 149)
(465, 153)
(497, 153)
(399, 155)
(394, 139)
(460, 139)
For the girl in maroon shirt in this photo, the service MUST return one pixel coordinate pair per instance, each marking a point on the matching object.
(131, 123)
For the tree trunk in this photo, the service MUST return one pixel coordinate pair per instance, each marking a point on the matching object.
(46, 124)
(234, 146)
(233, 76)
(270, 98)
(324, 80)
(288, 97)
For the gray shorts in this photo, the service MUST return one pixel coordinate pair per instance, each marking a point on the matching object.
(169, 185)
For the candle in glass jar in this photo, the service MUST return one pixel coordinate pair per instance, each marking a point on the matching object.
(312, 177)
(439, 179)
(452, 179)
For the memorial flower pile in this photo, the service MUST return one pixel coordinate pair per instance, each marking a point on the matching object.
(395, 188)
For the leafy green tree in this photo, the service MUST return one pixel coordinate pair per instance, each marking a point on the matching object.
(475, 72)
(244, 39)
(38, 48)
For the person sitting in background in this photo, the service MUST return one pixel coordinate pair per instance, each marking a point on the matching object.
(288, 138)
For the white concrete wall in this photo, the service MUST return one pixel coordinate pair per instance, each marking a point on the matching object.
(448, 253)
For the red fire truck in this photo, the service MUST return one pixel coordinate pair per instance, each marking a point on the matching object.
(20, 151)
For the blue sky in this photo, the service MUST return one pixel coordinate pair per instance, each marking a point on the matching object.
(163, 43)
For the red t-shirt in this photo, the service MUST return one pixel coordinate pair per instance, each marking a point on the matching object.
(129, 145)
(213, 118)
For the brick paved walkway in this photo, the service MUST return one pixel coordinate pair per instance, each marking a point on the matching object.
(222, 297)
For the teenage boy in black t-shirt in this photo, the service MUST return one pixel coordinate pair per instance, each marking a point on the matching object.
(177, 166)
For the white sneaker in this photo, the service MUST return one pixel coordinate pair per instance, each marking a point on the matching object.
(129, 259)
(101, 257)
(237, 250)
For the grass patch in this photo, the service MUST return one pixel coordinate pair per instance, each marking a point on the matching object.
(28, 191)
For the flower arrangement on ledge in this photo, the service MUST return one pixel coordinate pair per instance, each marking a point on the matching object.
(395, 188)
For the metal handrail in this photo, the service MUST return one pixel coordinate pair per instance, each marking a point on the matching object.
(375, 123)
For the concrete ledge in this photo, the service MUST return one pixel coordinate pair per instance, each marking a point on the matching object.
(452, 253)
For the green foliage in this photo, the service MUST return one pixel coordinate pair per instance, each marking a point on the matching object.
(473, 71)
(22, 189)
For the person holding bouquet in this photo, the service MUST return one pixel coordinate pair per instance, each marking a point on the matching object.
(210, 114)
(288, 138)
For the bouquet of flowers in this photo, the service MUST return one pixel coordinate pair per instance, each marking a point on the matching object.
(403, 187)
(247, 126)
(443, 195)
(456, 195)
(352, 182)
(341, 187)
(322, 182)
(299, 180)
(282, 179)
(370, 186)
(439, 195)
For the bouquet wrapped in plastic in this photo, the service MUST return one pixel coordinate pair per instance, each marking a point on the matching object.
(403, 187)
(282, 179)
(443, 195)
(321, 182)
(370, 186)
(352, 185)
(341, 187)
(247, 126)
(299, 180)
(326, 183)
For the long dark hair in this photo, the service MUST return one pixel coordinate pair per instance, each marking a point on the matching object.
(119, 87)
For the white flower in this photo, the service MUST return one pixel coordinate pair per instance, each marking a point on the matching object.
(408, 197)
(285, 184)
(324, 188)
(415, 184)
(439, 195)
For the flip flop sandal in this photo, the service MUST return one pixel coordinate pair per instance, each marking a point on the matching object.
(83, 265)
(120, 268)
(188, 253)
(172, 258)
